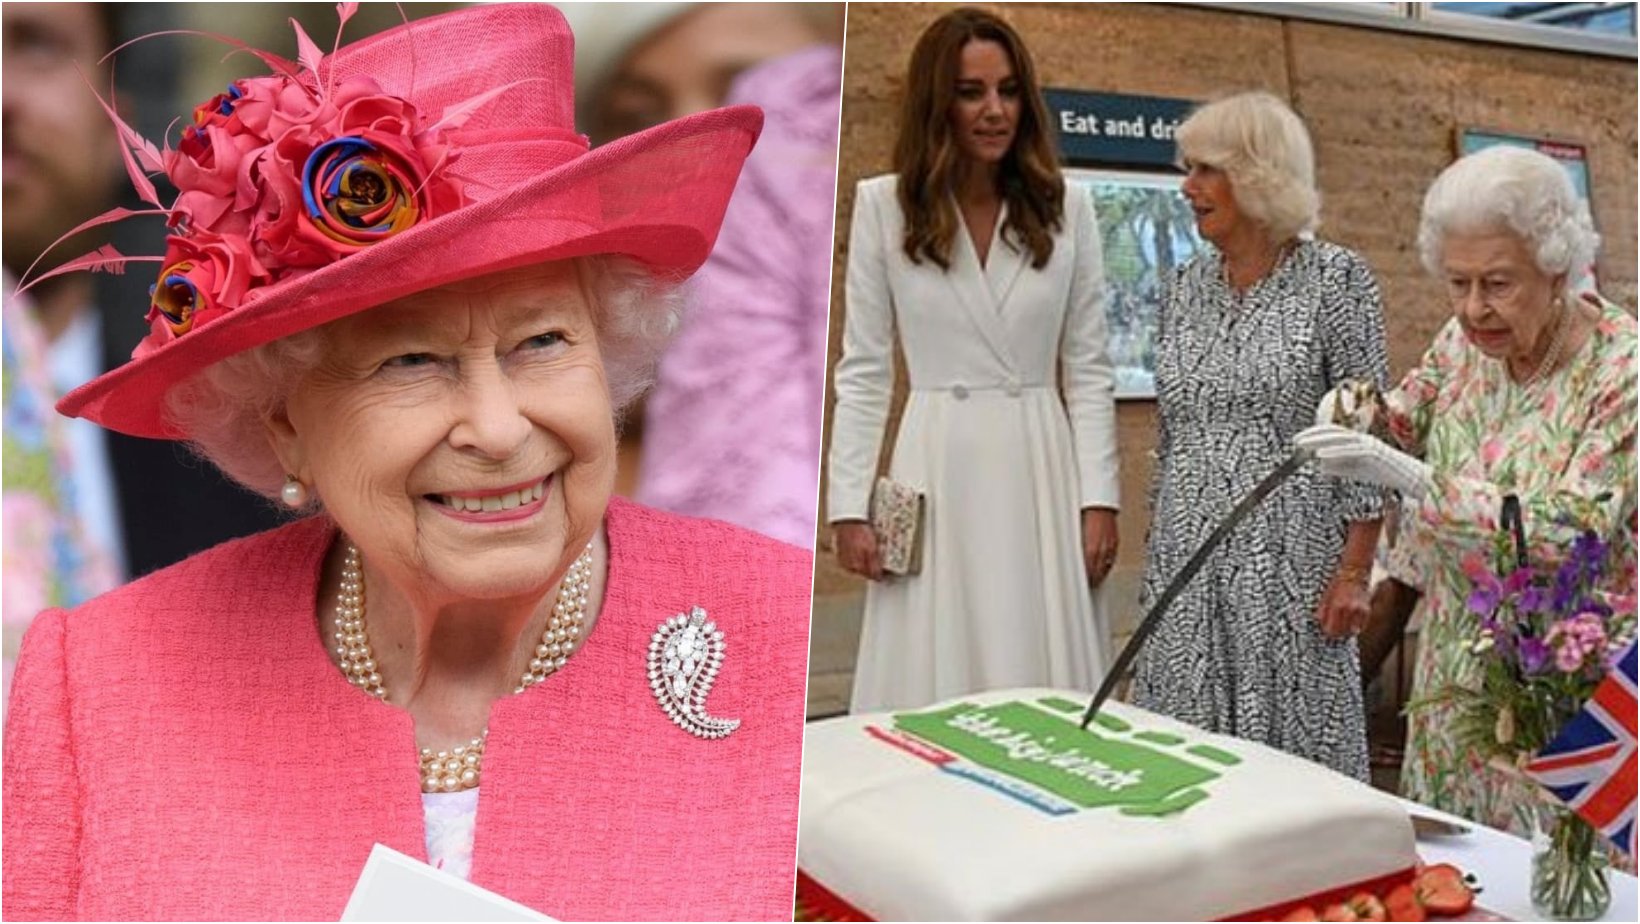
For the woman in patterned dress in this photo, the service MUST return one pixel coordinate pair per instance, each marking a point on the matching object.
(1253, 332)
(1528, 390)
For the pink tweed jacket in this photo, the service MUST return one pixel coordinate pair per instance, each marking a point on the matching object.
(183, 749)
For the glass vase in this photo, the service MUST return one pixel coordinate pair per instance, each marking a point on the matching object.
(1569, 866)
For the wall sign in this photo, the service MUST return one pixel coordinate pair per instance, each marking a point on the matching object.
(1115, 130)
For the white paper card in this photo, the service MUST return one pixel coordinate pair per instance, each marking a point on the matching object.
(394, 887)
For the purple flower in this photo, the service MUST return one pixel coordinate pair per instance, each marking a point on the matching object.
(1534, 599)
(1484, 599)
(1566, 585)
(1534, 655)
(1589, 550)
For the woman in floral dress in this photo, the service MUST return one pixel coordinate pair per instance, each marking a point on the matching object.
(1529, 390)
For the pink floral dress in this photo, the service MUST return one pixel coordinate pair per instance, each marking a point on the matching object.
(1565, 445)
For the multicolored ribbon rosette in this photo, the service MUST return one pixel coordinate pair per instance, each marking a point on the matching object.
(278, 176)
(357, 194)
(205, 274)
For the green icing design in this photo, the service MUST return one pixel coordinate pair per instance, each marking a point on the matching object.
(1111, 723)
(1083, 767)
(1216, 755)
(1159, 737)
(1060, 704)
(1172, 805)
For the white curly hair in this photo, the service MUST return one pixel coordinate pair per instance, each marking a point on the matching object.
(1510, 189)
(1265, 150)
(223, 408)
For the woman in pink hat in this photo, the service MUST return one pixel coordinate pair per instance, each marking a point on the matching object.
(401, 296)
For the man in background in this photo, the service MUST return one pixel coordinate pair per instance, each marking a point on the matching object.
(85, 509)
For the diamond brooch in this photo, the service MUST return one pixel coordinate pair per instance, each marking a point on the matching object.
(684, 658)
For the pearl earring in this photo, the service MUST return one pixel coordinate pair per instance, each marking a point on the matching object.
(294, 494)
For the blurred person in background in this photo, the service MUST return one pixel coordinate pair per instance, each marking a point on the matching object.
(83, 507)
(732, 429)
(640, 64)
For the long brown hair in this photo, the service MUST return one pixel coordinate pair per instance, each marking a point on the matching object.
(926, 156)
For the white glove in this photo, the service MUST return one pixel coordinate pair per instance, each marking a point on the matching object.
(1352, 403)
(1347, 454)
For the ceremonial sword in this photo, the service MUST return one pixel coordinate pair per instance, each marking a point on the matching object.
(1182, 578)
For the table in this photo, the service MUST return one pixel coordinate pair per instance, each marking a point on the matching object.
(1501, 862)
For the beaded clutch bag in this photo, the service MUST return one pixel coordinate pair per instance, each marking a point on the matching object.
(897, 514)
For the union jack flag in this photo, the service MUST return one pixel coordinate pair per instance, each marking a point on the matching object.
(1590, 764)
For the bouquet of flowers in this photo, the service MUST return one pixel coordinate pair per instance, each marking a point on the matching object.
(1545, 638)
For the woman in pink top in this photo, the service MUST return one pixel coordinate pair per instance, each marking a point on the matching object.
(402, 296)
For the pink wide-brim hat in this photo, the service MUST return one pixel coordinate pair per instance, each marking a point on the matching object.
(534, 194)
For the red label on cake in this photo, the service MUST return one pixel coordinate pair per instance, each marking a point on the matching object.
(910, 745)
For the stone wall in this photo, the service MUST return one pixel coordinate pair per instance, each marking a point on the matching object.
(1384, 109)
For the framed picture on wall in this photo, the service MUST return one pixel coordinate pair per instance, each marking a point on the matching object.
(1574, 157)
(1148, 229)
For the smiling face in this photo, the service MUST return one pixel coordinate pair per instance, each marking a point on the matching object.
(1213, 199)
(1503, 301)
(462, 437)
(985, 108)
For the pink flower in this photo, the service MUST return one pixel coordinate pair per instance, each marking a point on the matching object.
(1475, 568)
(271, 105)
(208, 159)
(205, 275)
(1575, 638)
(277, 178)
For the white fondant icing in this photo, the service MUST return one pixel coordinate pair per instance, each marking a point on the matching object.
(897, 838)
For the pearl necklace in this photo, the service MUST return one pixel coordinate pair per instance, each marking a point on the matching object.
(1563, 323)
(458, 768)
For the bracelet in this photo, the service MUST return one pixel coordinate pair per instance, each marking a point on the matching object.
(1355, 574)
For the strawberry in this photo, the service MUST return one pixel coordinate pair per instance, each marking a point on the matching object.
(1442, 889)
(1367, 907)
(1301, 913)
(1339, 912)
(1402, 904)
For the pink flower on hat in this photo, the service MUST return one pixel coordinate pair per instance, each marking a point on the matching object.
(279, 176)
(208, 159)
(205, 274)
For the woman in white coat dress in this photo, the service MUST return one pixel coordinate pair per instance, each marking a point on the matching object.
(989, 268)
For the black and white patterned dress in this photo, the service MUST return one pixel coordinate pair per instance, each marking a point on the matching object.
(1237, 375)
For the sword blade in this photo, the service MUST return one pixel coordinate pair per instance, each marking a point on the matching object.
(1181, 579)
